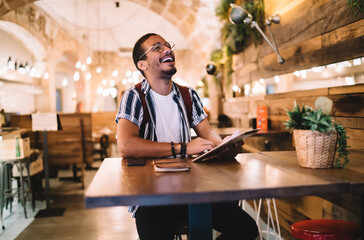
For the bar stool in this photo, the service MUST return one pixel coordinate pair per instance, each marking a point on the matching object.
(271, 205)
(325, 229)
(7, 192)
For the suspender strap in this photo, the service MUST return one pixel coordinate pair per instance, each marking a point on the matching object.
(186, 100)
(146, 116)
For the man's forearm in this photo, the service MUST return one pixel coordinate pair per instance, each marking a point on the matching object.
(137, 147)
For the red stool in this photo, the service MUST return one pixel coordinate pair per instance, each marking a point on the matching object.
(325, 229)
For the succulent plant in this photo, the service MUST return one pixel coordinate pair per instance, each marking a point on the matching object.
(317, 120)
(296, 117)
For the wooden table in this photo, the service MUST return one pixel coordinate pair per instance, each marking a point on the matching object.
(253, 175)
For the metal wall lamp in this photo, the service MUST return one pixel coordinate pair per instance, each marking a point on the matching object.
(239, 15)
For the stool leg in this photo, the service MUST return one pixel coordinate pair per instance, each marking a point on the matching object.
(29, 190)
(22, 196)
(257, 212)
(277, 220)
(270, 219)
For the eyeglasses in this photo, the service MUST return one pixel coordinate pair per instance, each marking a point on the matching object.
(158, 47)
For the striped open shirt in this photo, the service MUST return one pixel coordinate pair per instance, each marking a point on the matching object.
(131, 109)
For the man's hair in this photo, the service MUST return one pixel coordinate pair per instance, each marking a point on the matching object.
(138, 50)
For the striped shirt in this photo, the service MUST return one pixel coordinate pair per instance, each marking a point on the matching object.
(131, 109)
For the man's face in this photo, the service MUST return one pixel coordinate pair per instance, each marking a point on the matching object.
(160, 63)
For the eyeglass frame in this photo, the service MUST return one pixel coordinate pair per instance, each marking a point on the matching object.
(171, 46)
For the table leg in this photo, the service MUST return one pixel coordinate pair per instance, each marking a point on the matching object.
(48, 212)
(200, 221)
(46, 167)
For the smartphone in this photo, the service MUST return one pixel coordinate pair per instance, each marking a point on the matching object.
(136, 162)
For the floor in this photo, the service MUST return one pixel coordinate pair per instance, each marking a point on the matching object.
(76, 222)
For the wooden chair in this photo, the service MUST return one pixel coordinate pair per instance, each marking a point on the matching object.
(325, 229)
(65, 147)
(104, 146)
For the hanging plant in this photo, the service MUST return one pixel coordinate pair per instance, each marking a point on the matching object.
(217, 58)
(204, 87)
(222, 9)
(357, 7)
(228, 62)
(236, 36)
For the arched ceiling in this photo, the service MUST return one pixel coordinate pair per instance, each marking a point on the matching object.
(27, 39)
(101, 25)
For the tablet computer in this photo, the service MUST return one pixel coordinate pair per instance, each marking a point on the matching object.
(231, 140)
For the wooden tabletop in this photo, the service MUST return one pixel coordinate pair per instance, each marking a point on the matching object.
(353, 173)
(252, 175)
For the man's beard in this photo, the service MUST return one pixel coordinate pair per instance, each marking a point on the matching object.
(167, 74)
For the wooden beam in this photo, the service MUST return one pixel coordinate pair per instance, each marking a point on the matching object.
(351, 31)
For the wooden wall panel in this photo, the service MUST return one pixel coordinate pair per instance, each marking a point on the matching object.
(348, 109)
(309, 35)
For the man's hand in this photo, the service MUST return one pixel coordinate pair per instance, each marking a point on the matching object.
(198, 146)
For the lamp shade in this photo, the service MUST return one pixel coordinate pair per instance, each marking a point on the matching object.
(239, 15)
(210, 69)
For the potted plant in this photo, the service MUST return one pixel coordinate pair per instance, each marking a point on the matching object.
(317, 137)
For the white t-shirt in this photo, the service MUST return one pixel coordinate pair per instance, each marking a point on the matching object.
(167, 118)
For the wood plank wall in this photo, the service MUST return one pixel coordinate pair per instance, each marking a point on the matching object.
(311, 33)
(348, 109)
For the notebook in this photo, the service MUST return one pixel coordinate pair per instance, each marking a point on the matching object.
(170, 165)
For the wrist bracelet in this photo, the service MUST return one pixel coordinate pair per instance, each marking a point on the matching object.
(183, 149)
(173, 152)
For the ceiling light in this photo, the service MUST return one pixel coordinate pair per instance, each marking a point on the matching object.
(78, 64)
(277, 79)
(76, 76)
(235, 88)
(89, 60)
(99, 90)
(64, 82)
(88, 76)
